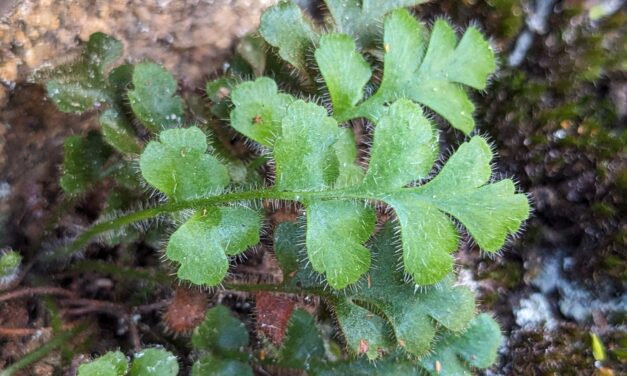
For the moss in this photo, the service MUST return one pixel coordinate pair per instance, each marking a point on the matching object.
(510, 16)
(556, 126)
(489, 299)
(567, 352)
(502, 19)
(603, 210)
(619, 352)
(509, 274)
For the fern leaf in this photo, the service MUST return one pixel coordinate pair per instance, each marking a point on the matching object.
(203, 244)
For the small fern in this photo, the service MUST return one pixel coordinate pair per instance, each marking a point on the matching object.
(312, 153)
(304, 134)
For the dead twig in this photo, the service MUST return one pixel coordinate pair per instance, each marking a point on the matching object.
(31, 291)
(146, 308)
(25, 332)
(21, 332)
(133, 333)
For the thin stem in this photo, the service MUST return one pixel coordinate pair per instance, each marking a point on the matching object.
(122, 272)
(277, 288)
(362, 110)
(113, 167)
(92, 305)
(147, 308)
(21, 332)
(141, 215)
(30, 291)
(44, 350)
(172, 207)
(133, 333)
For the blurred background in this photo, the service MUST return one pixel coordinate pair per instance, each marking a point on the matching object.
(556, 111)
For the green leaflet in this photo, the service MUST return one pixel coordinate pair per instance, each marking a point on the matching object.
(401, 154)
(362, 19)
(203, 244)
(220, 340)
(336, 231)
(120, 80)
(291, 252)
(118, 132)
(428, 71)
(402, 55)
(220, 332)
(404, 149)
(153, 97)
(284, 26)
(81, 85)
(349, 173)
(489, 211)
(304, 152)
(75, 97)
(259, 109)
(482, 339)
(252, 49)
(83, 162)
(178, 165)
(219, 91)
(476, 347)
(303, 342)
(110, 364)
(286, 236)
(100, 52)
(365, 332)
(433, 77)
(117, 128)
(345, 71)
(428, 239)
(155, 362)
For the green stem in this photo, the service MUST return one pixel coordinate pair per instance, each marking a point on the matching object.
(103, 227)
(113, 167)
(114, 224)
(42, 351)
(277, 288)
(121, 272)
(367, 109)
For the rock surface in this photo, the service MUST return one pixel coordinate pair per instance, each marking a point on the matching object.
(191, 38)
